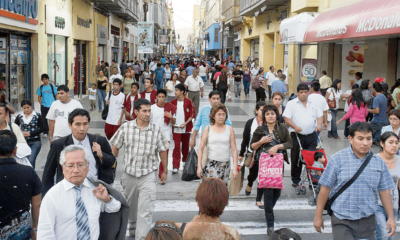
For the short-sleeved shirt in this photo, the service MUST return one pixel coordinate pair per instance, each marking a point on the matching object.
(338, 94)
(304, 117)
(18, 184)
(47, 94)
(59, 112)
(194, 84)
(279, 86)
(319, 100)
(316, 165)
(237, 73)
(115, 108)
(360, 200)
(141, 147)
(159, 72)
(92, 93)
(380, 101)
(189, 70)
(394, 192)
(271, 76)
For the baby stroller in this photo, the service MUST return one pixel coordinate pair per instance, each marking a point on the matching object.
(307, 158)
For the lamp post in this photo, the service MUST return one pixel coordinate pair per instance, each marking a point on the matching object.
(145, 9)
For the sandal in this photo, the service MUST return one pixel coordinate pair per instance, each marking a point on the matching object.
(247, 192)
(260, 206)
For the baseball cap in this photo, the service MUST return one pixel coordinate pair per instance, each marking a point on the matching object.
(379, 79)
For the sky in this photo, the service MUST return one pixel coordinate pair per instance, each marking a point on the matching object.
(183, 12)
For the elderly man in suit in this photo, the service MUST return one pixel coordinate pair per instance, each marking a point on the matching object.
(71, 209)
(99, 150)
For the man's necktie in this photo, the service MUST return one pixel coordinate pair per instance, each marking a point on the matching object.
(82, 220)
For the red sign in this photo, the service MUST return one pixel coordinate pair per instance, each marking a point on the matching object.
(363, 19)
(356, 48)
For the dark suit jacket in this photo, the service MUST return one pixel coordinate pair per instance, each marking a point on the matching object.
(52, 166)
(113, 225)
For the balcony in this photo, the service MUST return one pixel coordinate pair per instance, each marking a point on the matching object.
(298, 6)
(156, 15)
(249, 7)
(125, 9)
(230, 9)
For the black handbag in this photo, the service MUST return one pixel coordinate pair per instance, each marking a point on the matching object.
(328, 205)
(104, 113)
(190, 169)
(266, 147)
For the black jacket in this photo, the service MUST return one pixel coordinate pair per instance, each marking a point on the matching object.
(246, 137)
(52, 166)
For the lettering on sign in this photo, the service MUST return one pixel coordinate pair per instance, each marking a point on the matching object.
(102, 34)
(26, 8)
(22, 43)
(333, 30)
(374, 23)
(59, 22)
(84, 23)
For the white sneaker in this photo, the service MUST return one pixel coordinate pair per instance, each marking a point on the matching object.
(175, 171)
(45, 135)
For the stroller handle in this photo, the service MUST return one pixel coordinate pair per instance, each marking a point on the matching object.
(298, 140)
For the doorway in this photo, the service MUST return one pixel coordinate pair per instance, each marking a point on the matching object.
(80, 68)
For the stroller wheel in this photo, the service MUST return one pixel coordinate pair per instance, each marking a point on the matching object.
(311, 201)
(303, 190)
(297, 189)
(310, 187)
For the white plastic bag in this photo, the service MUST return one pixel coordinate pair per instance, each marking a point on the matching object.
(229, 96)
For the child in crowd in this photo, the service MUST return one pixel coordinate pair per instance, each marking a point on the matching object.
(149, 94)
(319, 160)
(92, 96)
(130, 102)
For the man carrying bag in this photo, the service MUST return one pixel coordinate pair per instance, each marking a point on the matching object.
(352, 179)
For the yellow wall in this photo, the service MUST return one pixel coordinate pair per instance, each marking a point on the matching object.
(102, 20)
(84, 11)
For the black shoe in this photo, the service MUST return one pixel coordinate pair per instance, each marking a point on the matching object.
(247, 193)
(295, 184)
(260, 206)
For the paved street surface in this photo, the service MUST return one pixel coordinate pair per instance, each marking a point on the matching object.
(176, 199)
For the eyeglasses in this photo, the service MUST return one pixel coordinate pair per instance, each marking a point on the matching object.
(80, 166)
(220, 115)
(394, 119)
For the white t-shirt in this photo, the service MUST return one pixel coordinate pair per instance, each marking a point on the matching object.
(148, 96)
(338, 94)
(202, 71)
(319, 100)
(177, 72)
(112, 77)
(146, 74)
(271, 77)
(180, 117)
(346, 106)
(152, 66)
(194, 84)
(92, 93)
(170, 85)
(254, 72)
(157, 117)
(115, 108)
(59, 112)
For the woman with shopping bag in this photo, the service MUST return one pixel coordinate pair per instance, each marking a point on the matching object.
(271, 138)
(247, 153)
(218, 141)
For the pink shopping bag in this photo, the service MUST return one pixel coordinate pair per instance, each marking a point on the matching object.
(270, 173)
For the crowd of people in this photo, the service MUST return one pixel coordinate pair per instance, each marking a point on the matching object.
(149, 104)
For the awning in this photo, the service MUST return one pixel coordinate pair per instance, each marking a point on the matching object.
(367, 18)
(292, 29)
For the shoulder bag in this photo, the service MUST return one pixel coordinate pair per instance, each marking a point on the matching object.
(204, 158)
(332, 103)
(328, 205)
(104, 113)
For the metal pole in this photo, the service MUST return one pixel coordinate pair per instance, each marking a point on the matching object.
(222, 54)
(81, 68)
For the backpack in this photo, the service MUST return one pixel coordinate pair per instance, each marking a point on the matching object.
(222, 85)
(256, 83)
(52, 91)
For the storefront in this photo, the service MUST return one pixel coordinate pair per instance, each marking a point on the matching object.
(116, 43)
(16, 55)
(102, 36)
(292, 31)
(362, 37)
(83, 35)
(58, 30)
(212, 40)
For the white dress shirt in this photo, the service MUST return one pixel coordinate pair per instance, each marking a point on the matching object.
(271, 76)
(303, 117)
(88, 149)
(194, 84)
(57, 219)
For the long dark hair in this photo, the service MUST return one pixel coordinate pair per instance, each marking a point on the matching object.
(335, 83)
(270, 108)
(357, 98)
(385, 88)
(223, 77)
(396, 85)
(385, 136)
(258, 106)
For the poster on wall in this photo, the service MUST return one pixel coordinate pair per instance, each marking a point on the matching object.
(145, 31)
(308, 70)
(352, 62)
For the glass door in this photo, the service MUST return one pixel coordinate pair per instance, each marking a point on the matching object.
(56, 62)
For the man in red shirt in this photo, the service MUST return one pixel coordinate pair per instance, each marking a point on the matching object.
(130, 102)
(149, 94)
(185, 112)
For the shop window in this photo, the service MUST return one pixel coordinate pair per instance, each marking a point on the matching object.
(56, 63)
(216, 34)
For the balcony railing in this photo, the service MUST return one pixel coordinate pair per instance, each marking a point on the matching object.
(249, 7)
(247, 4)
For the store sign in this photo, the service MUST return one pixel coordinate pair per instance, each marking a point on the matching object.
(102, 34)
(19, 43)
(292, 30)
(22, 10)
(145, 32)
(83, 23)
(57, 22)
(352, 62)
(308, 70)
(363, 19)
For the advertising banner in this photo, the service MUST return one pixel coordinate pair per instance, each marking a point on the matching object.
(145, 31)
(308, 70)
(163, 40)
(352, 62)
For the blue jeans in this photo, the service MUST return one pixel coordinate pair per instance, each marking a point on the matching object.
(380, 219)
(204, 78)
(333, 131)
(246, 86)
(376, 130)
(35, 148)
(101, 98)
(160, 84)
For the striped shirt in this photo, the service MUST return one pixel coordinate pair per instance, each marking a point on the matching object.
(360, 200)
(141, 146)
